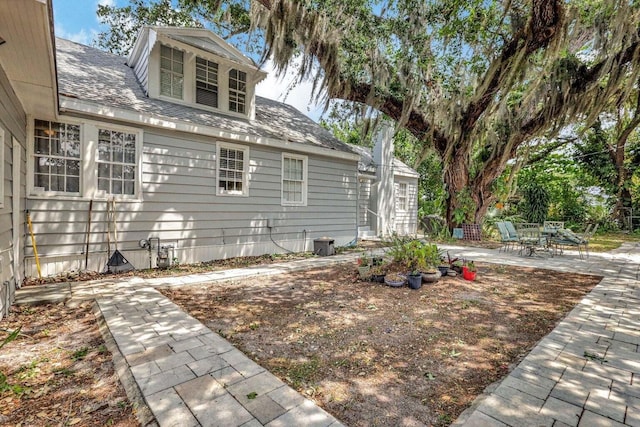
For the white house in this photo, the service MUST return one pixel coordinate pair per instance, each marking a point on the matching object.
(176, 136)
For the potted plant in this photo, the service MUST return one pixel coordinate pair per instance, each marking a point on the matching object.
(415, 279)
(455, 264)
(377, 273)
(364, 266)
(469, 271)
(395, 280)
(429, 259)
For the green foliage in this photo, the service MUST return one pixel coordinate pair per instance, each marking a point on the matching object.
(11, 337)
(535, 203)
(592, 156)
(80, 353)
(125, 22)
(229, 19)
(4, 384)
(414, 254)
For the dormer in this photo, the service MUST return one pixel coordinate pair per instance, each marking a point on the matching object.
(193, 66)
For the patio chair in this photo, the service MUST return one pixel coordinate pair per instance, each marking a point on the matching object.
(506, 239)
(566, 238)
(551, 227)
(531, 239)
(511, 229)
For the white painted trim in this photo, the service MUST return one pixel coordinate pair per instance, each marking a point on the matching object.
(88, 160)
(305, 179)
(15, 215)
(403, 194)
(245, 172)
(137, 196)
(136, 118)
(31, 158)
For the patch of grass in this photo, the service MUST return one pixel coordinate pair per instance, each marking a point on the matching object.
(608, 241)
(80, 354)
(65, 372)
(30, 370)
(301, 373)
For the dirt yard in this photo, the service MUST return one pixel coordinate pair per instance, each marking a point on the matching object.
(378, 356)
(58, 371)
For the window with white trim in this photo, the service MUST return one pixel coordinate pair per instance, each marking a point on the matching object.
(117, 162)
(206, 82)
(171, 72)
(403, 198)
(237, 90)
(294, 179)
(232, 170)
(57, 157)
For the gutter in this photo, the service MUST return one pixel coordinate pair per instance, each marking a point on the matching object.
(76, 106)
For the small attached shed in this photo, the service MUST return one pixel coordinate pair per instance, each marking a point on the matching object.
(387, 191)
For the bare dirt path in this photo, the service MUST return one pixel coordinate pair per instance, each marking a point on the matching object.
(378, 356)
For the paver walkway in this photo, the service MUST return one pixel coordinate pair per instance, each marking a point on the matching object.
(586, 372)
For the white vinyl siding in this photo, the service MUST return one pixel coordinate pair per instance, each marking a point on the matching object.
(171, 72)
(182, 207)
(406, 207)
(206, 82)
(237, 91)
(117, 162)
(232, 170)
(294, 180)
(57, 157)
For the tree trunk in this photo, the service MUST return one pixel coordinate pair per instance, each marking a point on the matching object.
(456, 179)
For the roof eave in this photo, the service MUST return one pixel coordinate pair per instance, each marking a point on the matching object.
(76, 106)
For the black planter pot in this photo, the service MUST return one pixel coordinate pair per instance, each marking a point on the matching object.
(378, 278)
(444, 269)
(415, 281)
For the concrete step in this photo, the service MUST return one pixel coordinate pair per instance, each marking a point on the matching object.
(365, 232)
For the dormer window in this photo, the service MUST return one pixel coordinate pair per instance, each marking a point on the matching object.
(171, 72)
(194, 67)
(206, 82)
(237, 90)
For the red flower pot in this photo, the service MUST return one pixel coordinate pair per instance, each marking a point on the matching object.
(468, 275)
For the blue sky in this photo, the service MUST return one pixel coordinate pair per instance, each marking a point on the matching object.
(76, 20)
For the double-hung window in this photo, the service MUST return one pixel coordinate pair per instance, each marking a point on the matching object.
(403, 198)
(294, 180)
(206, 82)
(237, 91)
(232, 170)
(57, 157)
(117, 162)
(171, 72)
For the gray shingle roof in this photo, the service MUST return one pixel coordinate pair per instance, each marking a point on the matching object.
(92, 75)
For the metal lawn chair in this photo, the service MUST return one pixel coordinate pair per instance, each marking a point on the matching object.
(568, 239)
(551, 227)
(513, 233)
(506, 239)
